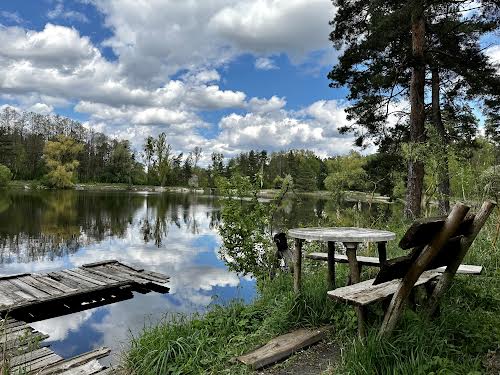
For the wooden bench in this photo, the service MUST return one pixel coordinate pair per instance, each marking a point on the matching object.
(465, 269)
(436, 243)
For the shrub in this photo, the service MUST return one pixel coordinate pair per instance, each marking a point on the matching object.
(5, 175)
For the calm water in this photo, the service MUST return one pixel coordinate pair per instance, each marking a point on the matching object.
(175, 234)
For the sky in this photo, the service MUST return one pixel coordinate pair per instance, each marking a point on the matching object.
(225, 75)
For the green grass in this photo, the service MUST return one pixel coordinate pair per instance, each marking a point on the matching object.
(453, 343)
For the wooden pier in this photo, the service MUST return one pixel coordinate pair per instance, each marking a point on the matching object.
(21, 347)
(23, 354)
(27, 290)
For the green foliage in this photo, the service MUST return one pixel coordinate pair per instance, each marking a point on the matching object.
(246, 226)
(205, 344)
(60, 158)
(5, 176)
(346, 173)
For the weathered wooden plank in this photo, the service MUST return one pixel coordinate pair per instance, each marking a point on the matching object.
(341, 258)
(120, 273)
(54, 283)
(282, 347)
(48, 289)
(88, 368)
(79, 283)
(21, 284)
(104, 279)
(97, 271)
(76, 361)
(365, 292)
(10, 289)
(29, 356)
(465, 269)
(106, 371)
(422, 231)
(100, 263)
(82, 278)
(85, 277)
(66, 280)
(140, 275)
(5, 300)
(37, 364)
(12, 335)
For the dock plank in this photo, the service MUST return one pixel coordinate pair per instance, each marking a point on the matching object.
(282, 347)
(23, 291)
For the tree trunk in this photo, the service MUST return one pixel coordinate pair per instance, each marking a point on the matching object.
(417, 115)
(443, 173)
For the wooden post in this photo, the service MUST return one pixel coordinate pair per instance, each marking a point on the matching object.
(297, 265)
(428, 253)
(351, 248)
(331, 265)
(465, 243)
(382, 252)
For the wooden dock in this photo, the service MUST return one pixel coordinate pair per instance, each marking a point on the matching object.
(21, 349)
(23, 354)
(27, 290)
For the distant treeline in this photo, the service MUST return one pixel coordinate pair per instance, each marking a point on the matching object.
(34, 146)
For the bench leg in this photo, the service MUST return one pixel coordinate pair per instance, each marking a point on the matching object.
(297, 265)
(331, 265)
(382, 252)
(355, 278)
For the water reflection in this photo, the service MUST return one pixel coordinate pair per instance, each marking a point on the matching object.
(174, 234)
(170, 234)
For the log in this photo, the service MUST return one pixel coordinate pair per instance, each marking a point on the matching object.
(465, 243)
(399, 299)
(282, 347)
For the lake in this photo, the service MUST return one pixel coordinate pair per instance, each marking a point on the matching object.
(174, 234)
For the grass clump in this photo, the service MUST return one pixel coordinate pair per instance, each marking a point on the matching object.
(207, 343)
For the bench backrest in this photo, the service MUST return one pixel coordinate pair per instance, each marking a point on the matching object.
(418, 235)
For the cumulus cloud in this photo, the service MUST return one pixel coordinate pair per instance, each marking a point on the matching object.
(494, 55)
(151, 41)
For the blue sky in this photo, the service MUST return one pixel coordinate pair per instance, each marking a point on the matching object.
(224, 75)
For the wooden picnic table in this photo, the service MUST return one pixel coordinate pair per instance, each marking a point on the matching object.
(351, 238)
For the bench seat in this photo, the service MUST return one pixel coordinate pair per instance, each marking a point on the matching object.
(465, 269)
(365, 293)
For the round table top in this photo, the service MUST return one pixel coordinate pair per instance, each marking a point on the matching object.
(342, 234)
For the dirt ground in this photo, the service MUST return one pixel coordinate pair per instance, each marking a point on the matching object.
(315, 360)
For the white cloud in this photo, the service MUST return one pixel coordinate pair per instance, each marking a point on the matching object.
(258, 105)
(296, 27)
(265, 63)
(41, 108)
(11, 16)
(60, 12)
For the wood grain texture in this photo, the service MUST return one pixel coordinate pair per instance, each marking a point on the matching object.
(282, 347)
(365, 292)
(342, 234)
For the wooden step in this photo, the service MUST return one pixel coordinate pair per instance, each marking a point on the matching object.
(282, 347)
(365, 293)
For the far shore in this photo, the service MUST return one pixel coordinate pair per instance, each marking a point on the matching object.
(267, 194)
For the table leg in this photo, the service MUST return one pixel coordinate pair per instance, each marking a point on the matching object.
(331, 265)
(297, 265)
(355, 278)
(382, 252)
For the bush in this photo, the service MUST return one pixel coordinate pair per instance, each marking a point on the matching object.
(5, 175)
